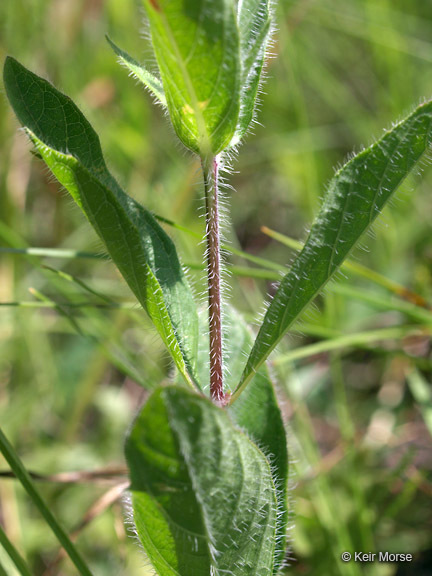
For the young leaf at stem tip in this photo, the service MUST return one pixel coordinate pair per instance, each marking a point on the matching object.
(197, 49)
(210, 57)
(142, 251)
(355, 197)
(254, 23)
(139, 71)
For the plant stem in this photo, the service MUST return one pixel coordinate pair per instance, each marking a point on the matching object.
(21, 473)
(210, 171)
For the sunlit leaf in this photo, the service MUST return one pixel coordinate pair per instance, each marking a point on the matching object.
(197, 49)
(142, 251)
(355, 197)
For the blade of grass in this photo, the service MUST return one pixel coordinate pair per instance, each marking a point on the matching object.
(244, 271)
(106, 333)
(412, 310)
(71, 254)
(61, 309)
(130, 306)
(113, 353)
(384, 302)
(359, 339)
(54, 253)
(258, 273)
(80, 283)
(225, 247)
(13, 554)
(18, 468)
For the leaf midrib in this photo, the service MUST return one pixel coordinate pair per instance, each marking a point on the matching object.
(252, 367)
(119, 205)
(209, 539)
(191, 472)
(202, 129)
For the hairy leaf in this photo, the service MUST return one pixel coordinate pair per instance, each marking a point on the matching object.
(257, 413)
(142, 251)
(254, 22)
(139, 71)
(202, 494)
(355, 197)
(196, 45)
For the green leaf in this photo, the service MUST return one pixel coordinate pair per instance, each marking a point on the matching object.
(197, 49)
(142, 251)
(257, 413)
(139, 71)
(202, 494)
(355, 197)
(254, 22)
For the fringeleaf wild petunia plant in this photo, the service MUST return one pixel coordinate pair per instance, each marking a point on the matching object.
(207, 454)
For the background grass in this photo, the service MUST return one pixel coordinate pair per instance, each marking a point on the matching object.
(359, 417)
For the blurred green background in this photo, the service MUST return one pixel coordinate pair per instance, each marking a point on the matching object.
(359, 417)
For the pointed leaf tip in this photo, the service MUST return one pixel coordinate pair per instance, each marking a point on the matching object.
(139, 71)
(355, 197)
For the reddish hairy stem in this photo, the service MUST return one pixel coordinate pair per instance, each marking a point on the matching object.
(210, 171)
